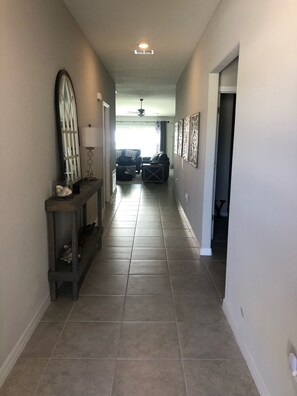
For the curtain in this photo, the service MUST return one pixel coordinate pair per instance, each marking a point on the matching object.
(163, 135)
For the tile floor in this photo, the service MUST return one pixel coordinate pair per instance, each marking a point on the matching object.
(148, 320)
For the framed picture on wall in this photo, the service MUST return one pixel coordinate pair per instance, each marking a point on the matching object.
(180, 137)
(194, 139)
(175, 137)
(186, 138)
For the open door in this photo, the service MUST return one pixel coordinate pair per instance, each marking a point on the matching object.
(223, 168)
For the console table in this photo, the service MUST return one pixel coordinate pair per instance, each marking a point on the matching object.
(73, 272)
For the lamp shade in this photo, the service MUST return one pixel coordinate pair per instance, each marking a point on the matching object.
(90, 137)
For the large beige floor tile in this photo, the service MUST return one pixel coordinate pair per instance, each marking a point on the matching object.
(97, 308)
(77, 377)
(148, 254)
(43, 340)
(104, 285)
(149, 308)
(148, 284)
(149, 267)
(200, 309)
(212, 340)
(218, 377)
(110, 267)
(88, 340)
(149, 378)
(193, 285)
(149, 340)
(24, 377)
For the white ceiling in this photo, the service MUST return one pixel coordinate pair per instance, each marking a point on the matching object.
(116, 27)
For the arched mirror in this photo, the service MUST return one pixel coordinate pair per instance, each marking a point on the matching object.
(67, 127)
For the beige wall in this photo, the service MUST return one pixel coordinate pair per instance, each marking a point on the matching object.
(38, 37)
(262, 249)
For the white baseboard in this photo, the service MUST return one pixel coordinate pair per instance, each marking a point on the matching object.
(19, 346)
(246, 353)
(181, 209)
(205, 252)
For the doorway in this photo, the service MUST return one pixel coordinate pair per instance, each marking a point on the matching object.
(223, 169)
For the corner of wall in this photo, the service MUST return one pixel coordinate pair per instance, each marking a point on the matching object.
(245, 351)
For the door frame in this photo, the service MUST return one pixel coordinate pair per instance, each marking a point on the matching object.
(228, 91)
(106, 151)
(210, 146)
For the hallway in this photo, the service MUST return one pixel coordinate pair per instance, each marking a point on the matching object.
(148, 320)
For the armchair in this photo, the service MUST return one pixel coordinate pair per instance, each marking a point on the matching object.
(156, 169)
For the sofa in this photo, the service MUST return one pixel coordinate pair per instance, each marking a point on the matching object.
(129, 157)
(152, 171)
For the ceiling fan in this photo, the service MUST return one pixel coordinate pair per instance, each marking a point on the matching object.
(141, 111)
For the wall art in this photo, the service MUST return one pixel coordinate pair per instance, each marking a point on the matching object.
(175, 137)
(180, 137)
(194, 139)
(186, 138)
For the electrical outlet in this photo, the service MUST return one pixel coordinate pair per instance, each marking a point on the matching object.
(187, 197)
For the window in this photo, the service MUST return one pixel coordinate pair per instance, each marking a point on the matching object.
(145, 137)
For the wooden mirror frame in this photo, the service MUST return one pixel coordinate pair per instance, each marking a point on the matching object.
(67, 129)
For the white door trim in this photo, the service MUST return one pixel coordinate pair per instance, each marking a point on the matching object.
(106, 151)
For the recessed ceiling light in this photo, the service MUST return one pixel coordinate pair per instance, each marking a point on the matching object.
(143, 46)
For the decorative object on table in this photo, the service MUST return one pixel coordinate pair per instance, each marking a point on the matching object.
(66, 256)
(180, 137)
(194, 139)
(186, 137)
(87, 230)
(62, 191)
(90, 138)
(175, 137)
(67, 128)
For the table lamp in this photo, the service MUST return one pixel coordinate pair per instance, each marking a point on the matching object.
(90, 138)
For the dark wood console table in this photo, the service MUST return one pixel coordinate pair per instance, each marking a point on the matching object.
(73, 272)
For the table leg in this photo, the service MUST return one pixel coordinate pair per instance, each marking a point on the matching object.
(53, 290)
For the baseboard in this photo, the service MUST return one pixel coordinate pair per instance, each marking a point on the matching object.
(181, 209)
(205, 252)
(19, 346)
(246, 353)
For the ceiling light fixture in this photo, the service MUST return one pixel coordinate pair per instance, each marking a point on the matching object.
(143, 52)
(143, 46)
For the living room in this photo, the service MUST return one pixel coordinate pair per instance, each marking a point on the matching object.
(147, 137)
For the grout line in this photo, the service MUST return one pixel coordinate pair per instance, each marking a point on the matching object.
(176, 325)
(54, 348)
(213, 282)
(123, 308)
